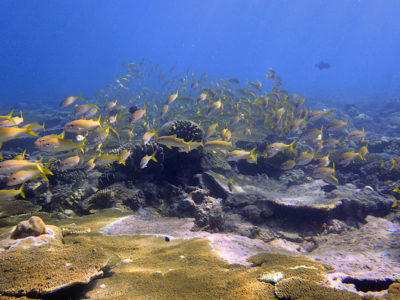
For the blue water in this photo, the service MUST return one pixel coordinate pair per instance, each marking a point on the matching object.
(53, 49)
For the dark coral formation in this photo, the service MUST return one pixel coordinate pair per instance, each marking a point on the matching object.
(184, 129)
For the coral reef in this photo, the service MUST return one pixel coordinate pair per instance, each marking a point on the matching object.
(298, 288)
(184, 129)
(37, 261)
(32, 232)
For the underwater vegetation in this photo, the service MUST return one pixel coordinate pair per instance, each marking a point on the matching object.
(238, 157)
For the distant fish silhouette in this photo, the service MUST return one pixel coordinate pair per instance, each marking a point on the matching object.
(323, 65)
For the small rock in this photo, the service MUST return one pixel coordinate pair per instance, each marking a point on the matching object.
(32, 227)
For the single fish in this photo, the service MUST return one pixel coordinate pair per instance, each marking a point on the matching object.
(145, 160)
(109, 106)
(10, 133)
(7, 195)
(323, 172)
(242, 154)
(274, 148)
(172, 98)
(357, 135)
(137, 115)
(218, 145)
(70, 100)
(288, 165)
(82, 125)
(70, 162)
(337, 125)
(14, 165)
(211, 130)
(305, 158)
(346, 158)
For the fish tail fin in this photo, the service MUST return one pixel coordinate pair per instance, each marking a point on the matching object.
(314, 154)
(99, 120)
(121, 160)
(9, 116)
(61, 135)
(81, 146)
(46, 170)
(115, 133)
(291, 147)
(393, 161)
(1, 144)
(44, 177)
(30, 131)
(330, 113)
(21, 190)
(153, 156)
(39, 166)
(253, 156)
(80, 96)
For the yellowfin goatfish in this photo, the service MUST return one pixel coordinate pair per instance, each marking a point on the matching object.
(70, 162)
(336, 125)
(211, 130)
(145, 160)
(346, 158)
(202, 97)
(70, 100)
(226, 134)
(8, 116)
(34, 126)
(110, 105)
(22, 176)
(91, 112)
(164, 110)
(305, 158)
(14, 165)
(189, 146)
(324, 161)
(10, 133)
(137, 115)
(56, 144)
(274, 148)
(242, 154)
(323, 172)
(235, 120)
(297, 125)
(319, 114)
(214, 107)
(7, 195)
(148, 136)
(171, 141)
(14, 121)
(112, 119)
(172, 98)
(278, 115)
(82, 125)
(105, 159)
(331, 143)
(312, 134)
(218, 145)
(82, 109)
(357, 135)
(288, 165)
(90, 165)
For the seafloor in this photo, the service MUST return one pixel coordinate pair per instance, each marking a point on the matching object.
(185, 228)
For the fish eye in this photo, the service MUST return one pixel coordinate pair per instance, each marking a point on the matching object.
(14, 178)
